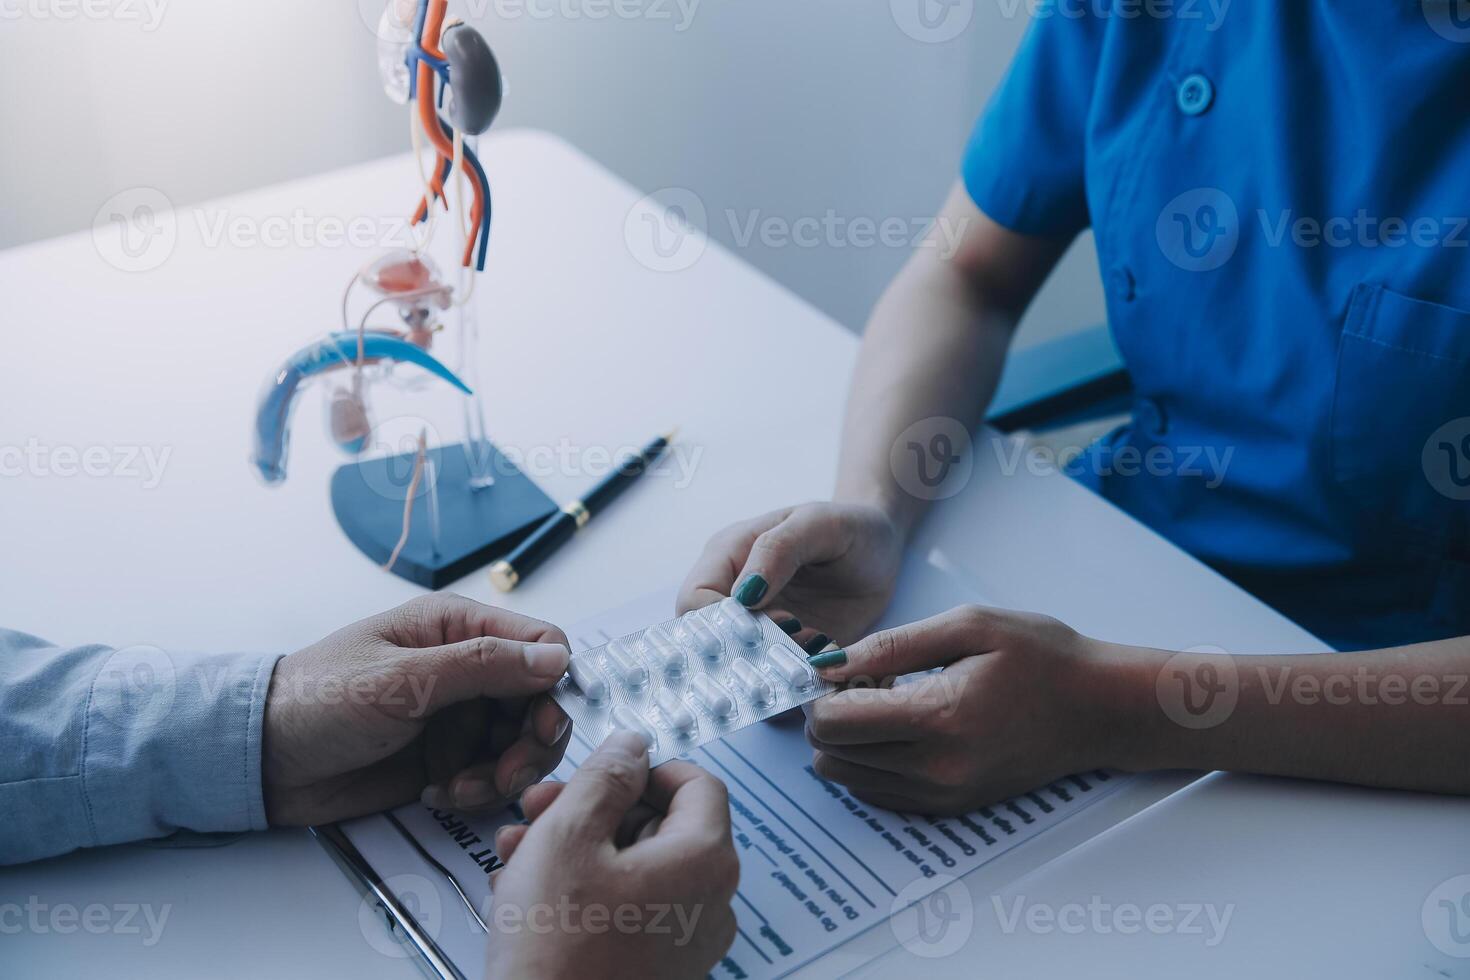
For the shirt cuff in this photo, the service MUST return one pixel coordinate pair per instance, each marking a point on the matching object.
(172, 742)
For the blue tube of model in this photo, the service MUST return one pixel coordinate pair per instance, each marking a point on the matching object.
(273, 415)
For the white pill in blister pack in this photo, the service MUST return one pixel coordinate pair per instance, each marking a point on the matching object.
(741, 622)
(792, 668)
(665, 650)
(627, 668)
(752, 683)
(689, 681)
(702, 641)
(713, 697)
(588, 680)
(624, 717)
(676, 713)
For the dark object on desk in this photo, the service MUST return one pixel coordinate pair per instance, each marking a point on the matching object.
(508, 572)
(476, 524)
(1078, 377)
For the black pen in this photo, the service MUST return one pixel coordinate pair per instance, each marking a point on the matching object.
(508, 572)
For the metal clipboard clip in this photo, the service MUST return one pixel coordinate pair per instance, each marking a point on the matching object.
(401, 924)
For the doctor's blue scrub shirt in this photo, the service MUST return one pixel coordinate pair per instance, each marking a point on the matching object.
(1279, 192)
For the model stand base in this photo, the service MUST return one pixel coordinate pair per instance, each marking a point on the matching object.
(457, 526)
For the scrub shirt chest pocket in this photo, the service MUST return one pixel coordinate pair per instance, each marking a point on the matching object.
(1400, 438)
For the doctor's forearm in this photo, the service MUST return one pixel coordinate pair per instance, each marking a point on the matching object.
(1395, 718)
(935, 345)
(931, 350)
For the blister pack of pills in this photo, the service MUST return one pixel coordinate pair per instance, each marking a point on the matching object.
(689, 681)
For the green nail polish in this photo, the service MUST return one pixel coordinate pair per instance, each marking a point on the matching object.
(833, 658)
(790, 625)
(817, 643)
(751, 591)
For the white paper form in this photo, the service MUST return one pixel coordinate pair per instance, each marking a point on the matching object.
(818, 866)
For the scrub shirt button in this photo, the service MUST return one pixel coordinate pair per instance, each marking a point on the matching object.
(1124, 284)
(1149, 417)
(1196, 95)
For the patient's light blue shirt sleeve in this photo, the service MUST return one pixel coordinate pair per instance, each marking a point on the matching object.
(100, 746)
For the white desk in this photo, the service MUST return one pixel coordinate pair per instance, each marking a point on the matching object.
(1251, 877)
(580, 337)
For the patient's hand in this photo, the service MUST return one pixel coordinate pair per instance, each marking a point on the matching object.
(621, 873)
(438, 694)
(831, 566)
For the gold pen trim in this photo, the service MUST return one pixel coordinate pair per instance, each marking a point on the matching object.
(578, 512)
(504, 576)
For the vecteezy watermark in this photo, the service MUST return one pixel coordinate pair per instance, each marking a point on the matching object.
(422, 900)
(663, 230)
(145, 464)
(410, 690)
(1362, 686)
(676, 14)
(566, 917)
(1445, 916)
(138, 686)
(37, 917)
(1212, 12)
(217, 227)
(135, 688)
(135, 230)
(933, 459)
(680, 462)
(942, 920)
(390, 453)
(1199, 230)
(1450, 19)
(932, 21)
(836, 231)
(932, 697)
(146, 14)
(1363, 230)
(418, 896)
(938, 21)
(1206, 463)
(1097, 916)
(1198, 688)
(1446, 459)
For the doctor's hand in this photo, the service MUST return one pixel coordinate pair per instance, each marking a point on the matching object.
(620, 873)
(1021, 700)
(832, 567)
(437, 697)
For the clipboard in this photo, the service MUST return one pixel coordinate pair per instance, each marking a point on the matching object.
(399, 921)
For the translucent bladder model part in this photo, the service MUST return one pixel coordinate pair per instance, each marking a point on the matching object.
(444, 72)
(348, 418)
(690, 681)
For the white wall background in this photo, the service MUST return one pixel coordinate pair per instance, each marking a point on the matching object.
(783, 109)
